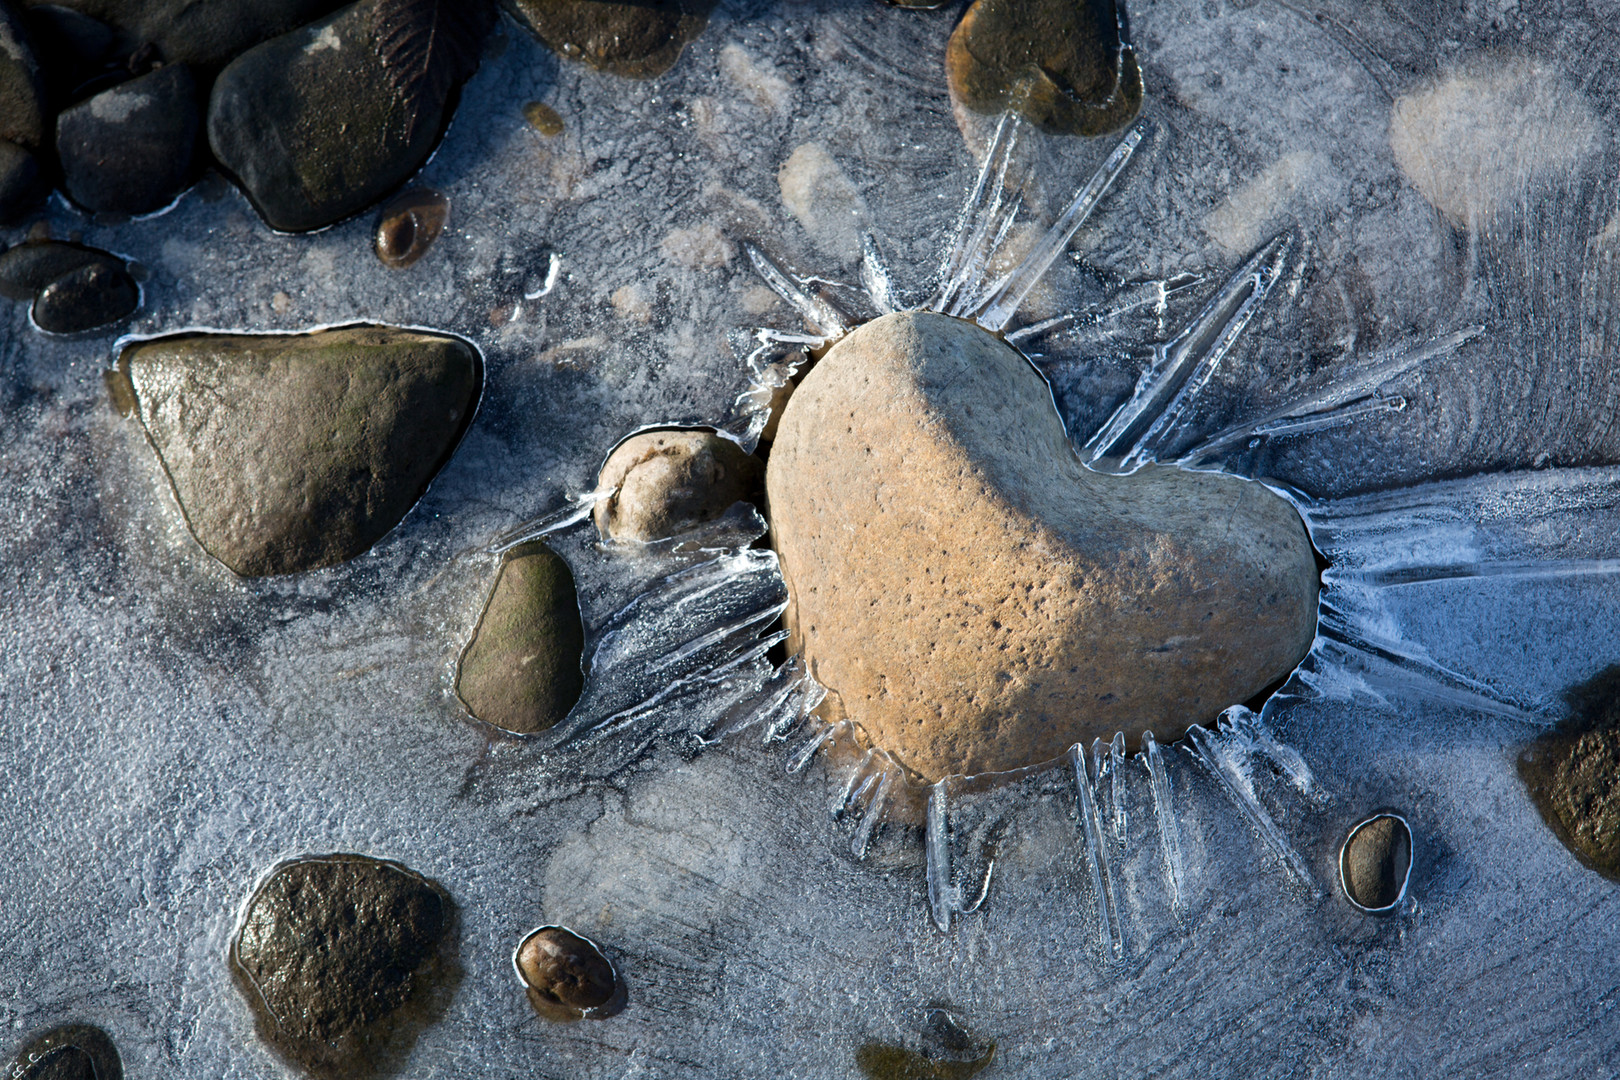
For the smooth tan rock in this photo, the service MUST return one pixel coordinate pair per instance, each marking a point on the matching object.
(290, 452)
(671, 481)
(522, 672)
(976, 599)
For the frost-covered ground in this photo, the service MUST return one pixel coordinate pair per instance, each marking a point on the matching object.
(168, 733)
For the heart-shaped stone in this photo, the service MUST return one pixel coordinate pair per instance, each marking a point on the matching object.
(976, 599)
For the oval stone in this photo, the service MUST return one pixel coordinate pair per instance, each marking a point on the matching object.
(1375, 862)
(976, 599)
(666, 482)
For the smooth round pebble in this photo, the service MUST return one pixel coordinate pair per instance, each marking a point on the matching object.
(565, 971)
(91, 296)
(408, 225)
(1375, 862)
(670, 481)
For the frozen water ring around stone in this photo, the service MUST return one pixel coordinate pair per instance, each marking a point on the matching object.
(1360, 647)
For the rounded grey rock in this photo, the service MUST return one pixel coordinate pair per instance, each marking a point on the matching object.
(130, 149)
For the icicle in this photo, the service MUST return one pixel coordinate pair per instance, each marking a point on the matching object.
(1004, 303)
(1164, 811)
(1251, 726)
(942, 899)
(1109, 932)
(807, 750)
(1352, 395)
(874, 810)
(822, 316)
(556, 521)
(1088, 326)
(1233, 780)
(976, 218)
(875, 276)
(853, 783)
(1116, 767)
(1183, 366)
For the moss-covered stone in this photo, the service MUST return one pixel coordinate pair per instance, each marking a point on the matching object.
(1060, 63)
(336, 954)
(635, 38)
(69, 1052)
(291, 452)
(522, 670)
(1573, 774)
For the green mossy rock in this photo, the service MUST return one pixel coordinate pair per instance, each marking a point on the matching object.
(333, 953)
(1058, 62)
(522, 670)
(290, 452)
(639, 39)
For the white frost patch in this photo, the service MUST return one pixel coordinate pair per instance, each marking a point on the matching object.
(12, 47)
(824, 199)
(703, 247)
(1488, 133)
(326, 39)
(1259, 208)
(759, 85)
(116, 106)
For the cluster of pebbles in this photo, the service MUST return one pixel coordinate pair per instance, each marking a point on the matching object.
(997, 579)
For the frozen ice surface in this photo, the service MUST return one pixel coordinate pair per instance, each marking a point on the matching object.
(168, 733)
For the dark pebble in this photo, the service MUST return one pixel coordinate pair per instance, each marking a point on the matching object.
(522, 669)
(1375, 862)
(408, 225)
(290, 452)
(75, 50)
(335, 952)
(567, 974)
(70, 1052)
(28, 268)
(131, 149)
(315, 134)
(947, 1051)
(1573, 774)
(22, 90)
(83, 299)
(22, 188)
(207, 33)
(635, 38)
(1058, 62)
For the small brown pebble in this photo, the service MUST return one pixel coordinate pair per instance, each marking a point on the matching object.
(670, 481)
(565, 972)
(69, 1052)
(1058, 62)
(543, 118)
(1375, 862)
(408, 225)
(1573, 774)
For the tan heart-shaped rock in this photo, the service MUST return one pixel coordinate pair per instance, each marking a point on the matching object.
(976, 599)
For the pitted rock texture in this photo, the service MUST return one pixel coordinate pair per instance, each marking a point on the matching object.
(291, 452)
(671, 481)
(521, 672)
(1058, 62)
(976, 599)
(639, 39)
(1573, 774)
(333, 950)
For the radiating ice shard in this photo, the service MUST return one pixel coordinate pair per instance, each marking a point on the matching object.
(1226, 755)
(1164, 813)
(1110, 934)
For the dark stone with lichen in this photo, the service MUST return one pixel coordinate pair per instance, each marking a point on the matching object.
(635, 38)
(1375, 861)
(1061, 63)
(566, 974)
(337, 955)
(291, 452)
(521, 671)
(1573, 774)
(69, 1052)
